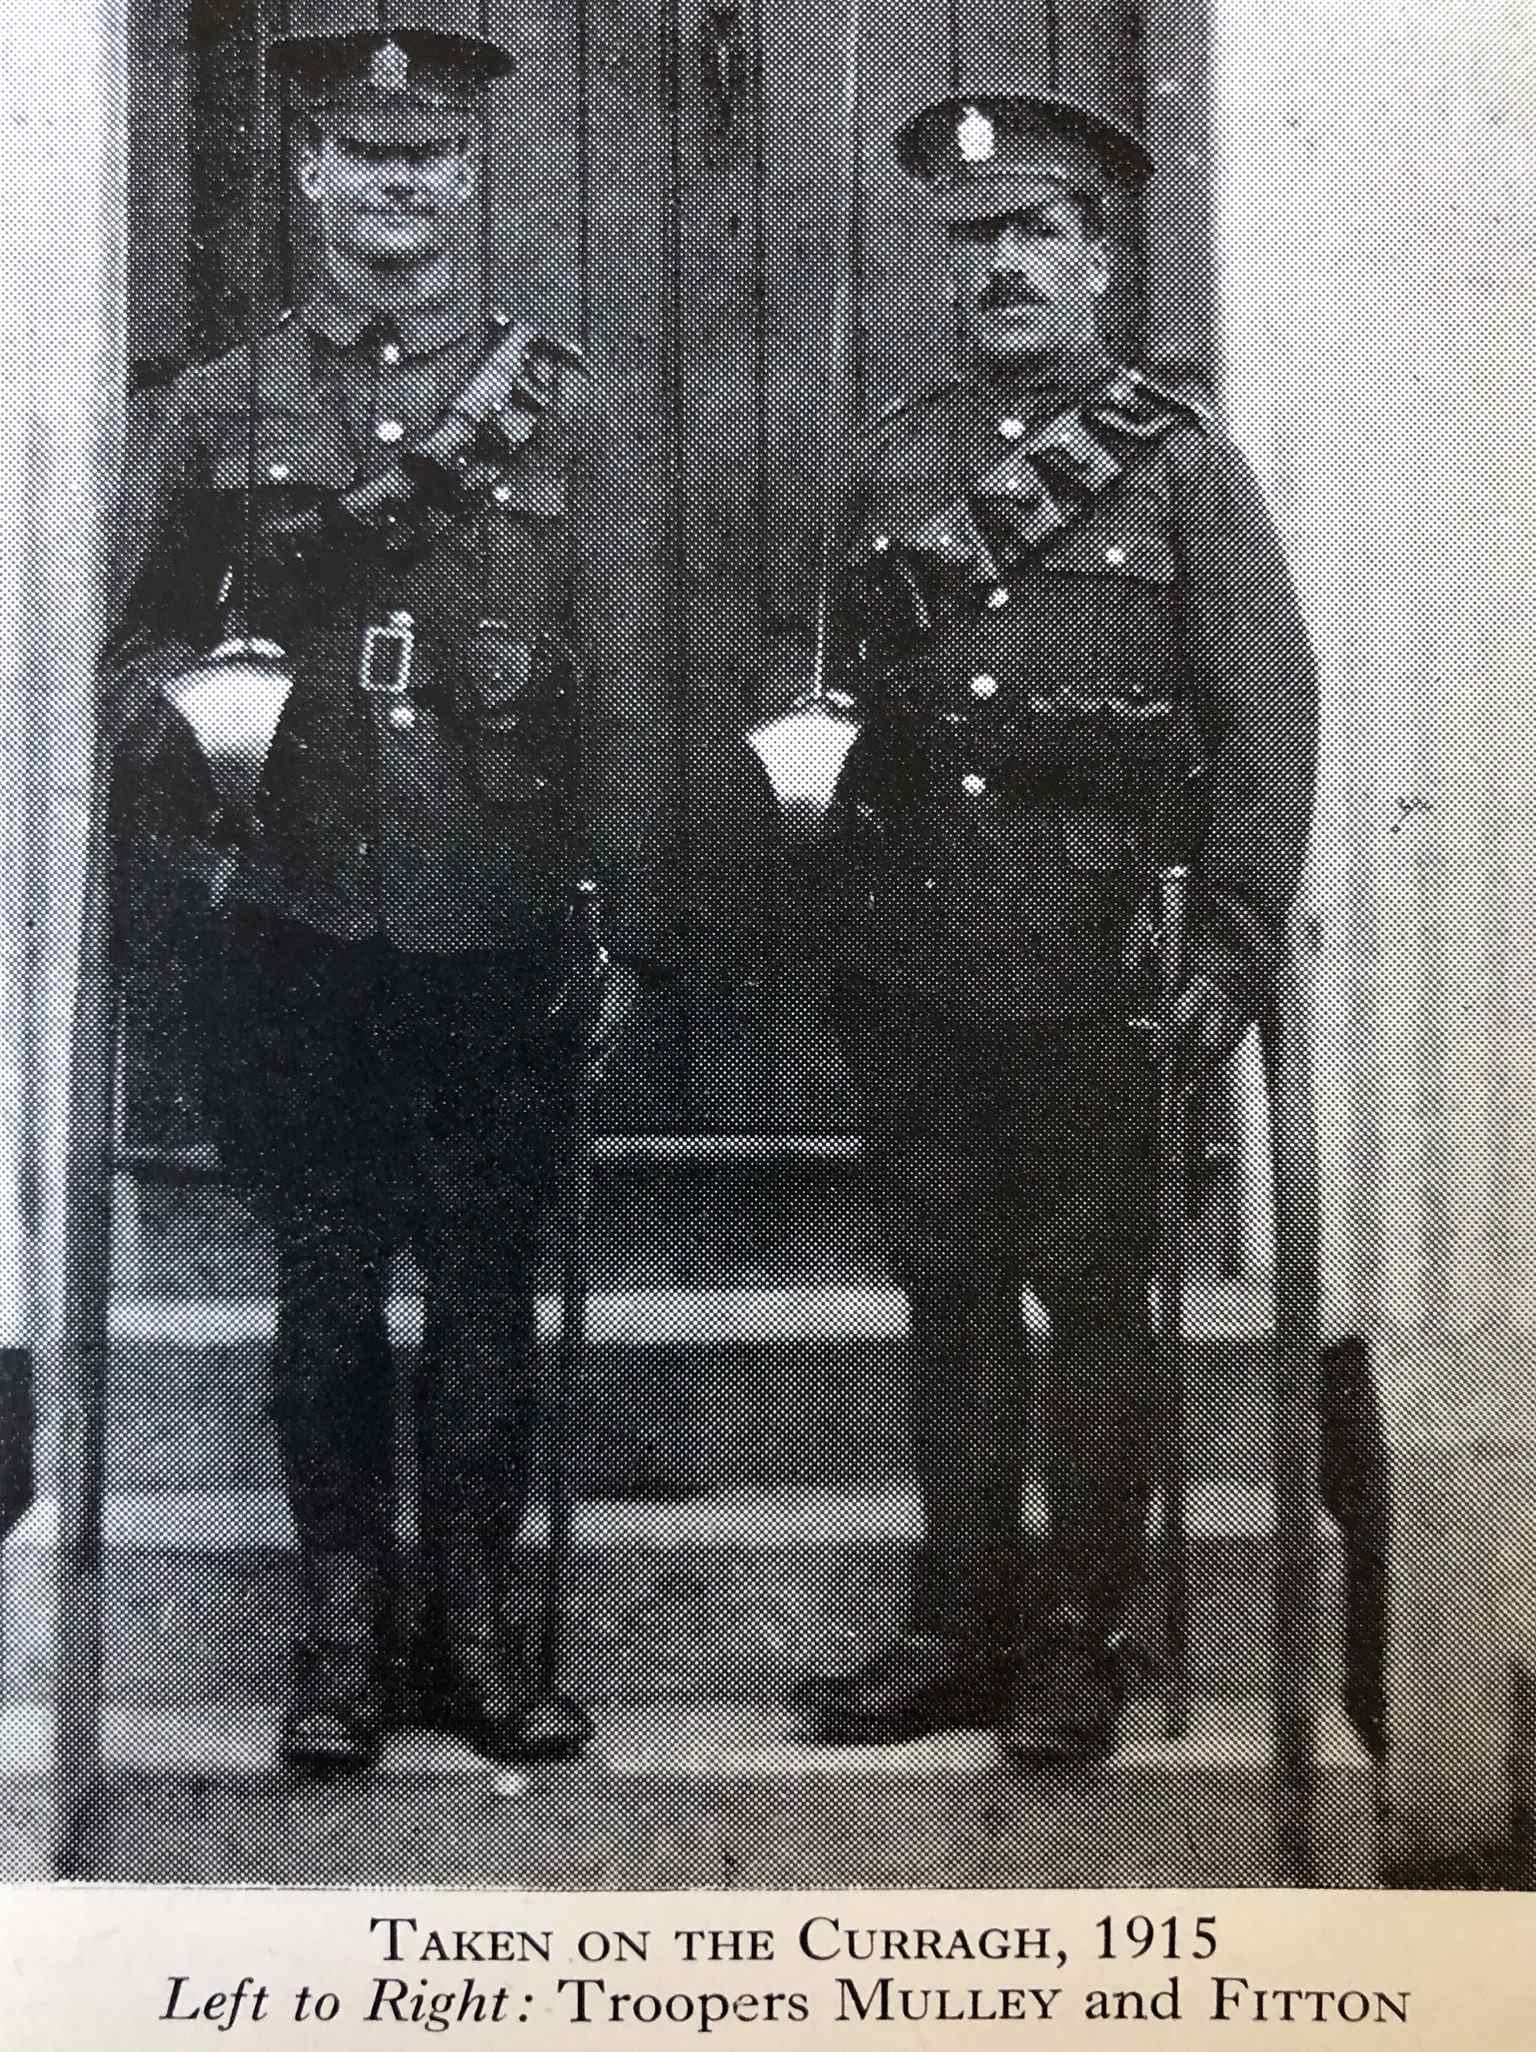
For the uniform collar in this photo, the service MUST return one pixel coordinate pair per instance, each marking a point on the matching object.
(343, 317)
(1064, 377)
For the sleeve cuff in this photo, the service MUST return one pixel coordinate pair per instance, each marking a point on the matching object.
(1214, 954)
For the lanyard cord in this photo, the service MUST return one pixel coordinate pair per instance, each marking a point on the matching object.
(840, 351)
(254, 196)
(481, 130)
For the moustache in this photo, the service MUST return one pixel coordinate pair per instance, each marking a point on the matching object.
(1009, 295)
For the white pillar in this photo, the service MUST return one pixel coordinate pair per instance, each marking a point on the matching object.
(1375, 181)
(62, 362)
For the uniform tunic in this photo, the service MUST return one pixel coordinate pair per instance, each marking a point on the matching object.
(429, 834)
(1036, 741)
(380, 1066)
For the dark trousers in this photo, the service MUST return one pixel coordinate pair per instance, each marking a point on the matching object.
(1002, 1158)
(377, 1100)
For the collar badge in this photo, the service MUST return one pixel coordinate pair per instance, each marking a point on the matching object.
(976, 136)
(389, 70)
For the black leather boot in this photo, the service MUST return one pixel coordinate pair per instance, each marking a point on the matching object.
(336, 1707)
(555, 1728)
(487, 1689)
(917, 1684)
(1067, 1692)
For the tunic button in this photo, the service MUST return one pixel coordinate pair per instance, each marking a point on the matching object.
(1011, 428)
(402, 716)
(973, 785)
(983, 686)
(501, 493)
(880, 544)
(997, 597)
(390, 353)
(279, 472)
(1116, 558)
(389, 431)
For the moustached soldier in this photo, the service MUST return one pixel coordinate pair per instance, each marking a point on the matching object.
(1062, 622)
(389, 496)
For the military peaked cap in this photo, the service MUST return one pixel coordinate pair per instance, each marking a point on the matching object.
(986, 153)
(382, 71)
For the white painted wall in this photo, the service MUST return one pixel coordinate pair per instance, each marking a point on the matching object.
(61, 379)
(61, 395)
(1375, 180)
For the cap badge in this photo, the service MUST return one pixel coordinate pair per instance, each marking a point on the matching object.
(389, 70)
(976, 136)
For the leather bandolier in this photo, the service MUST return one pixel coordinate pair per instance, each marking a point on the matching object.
(1029, 753)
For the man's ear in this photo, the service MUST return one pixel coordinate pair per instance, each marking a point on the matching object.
(309, 170)
(469, 171)
(1102, 273)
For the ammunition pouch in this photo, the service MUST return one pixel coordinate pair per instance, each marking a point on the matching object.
(495, 414)
(520, 707)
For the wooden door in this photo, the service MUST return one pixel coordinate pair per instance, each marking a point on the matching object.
(661, 180)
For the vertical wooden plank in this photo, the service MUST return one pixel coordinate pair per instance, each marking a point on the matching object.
(906, 318)
(1014, 47)
(1178, 210)
(633, 660)
(1098, 63)
(1098, 56)
(222, 55)
(533, 171)
(804, 111)
(718, 144)
(157, 78)
(802, 105)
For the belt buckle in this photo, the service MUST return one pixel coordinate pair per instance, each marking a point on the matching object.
(384, 667)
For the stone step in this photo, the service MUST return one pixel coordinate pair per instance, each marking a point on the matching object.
(727, 1210)
(724, 1596)
(681, 1390)
(718, 1794)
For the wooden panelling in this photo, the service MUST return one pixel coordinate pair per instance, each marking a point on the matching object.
(662, 176)
(1098, 55)
(222, 115)
(630, 285)
(1178, 236)
(1001, 46)
(718, 146)
(810, 146)
(1098, 61)
(157, 187)
(803, 114)
(532, 175)
(906, 317)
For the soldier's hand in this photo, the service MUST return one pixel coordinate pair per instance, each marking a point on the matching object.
(1199, 1030)
(620, 990)
(497, 409)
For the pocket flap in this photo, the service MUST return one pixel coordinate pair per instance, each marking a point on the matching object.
(532, 488)
(1119, 542)
(290, 449)
(1095, 838)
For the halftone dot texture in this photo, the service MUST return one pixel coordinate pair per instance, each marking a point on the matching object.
(661, 182)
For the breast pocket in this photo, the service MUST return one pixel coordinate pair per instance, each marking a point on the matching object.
(285, 456)
(1111, 592)
(527, 526)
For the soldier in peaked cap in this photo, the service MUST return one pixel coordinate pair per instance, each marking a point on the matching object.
(1064, 615)
(394, 487)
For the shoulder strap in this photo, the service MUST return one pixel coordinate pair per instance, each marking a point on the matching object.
(1039, 489)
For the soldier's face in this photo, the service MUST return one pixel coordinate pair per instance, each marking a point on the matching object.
(1029, 284)
(386, 203)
